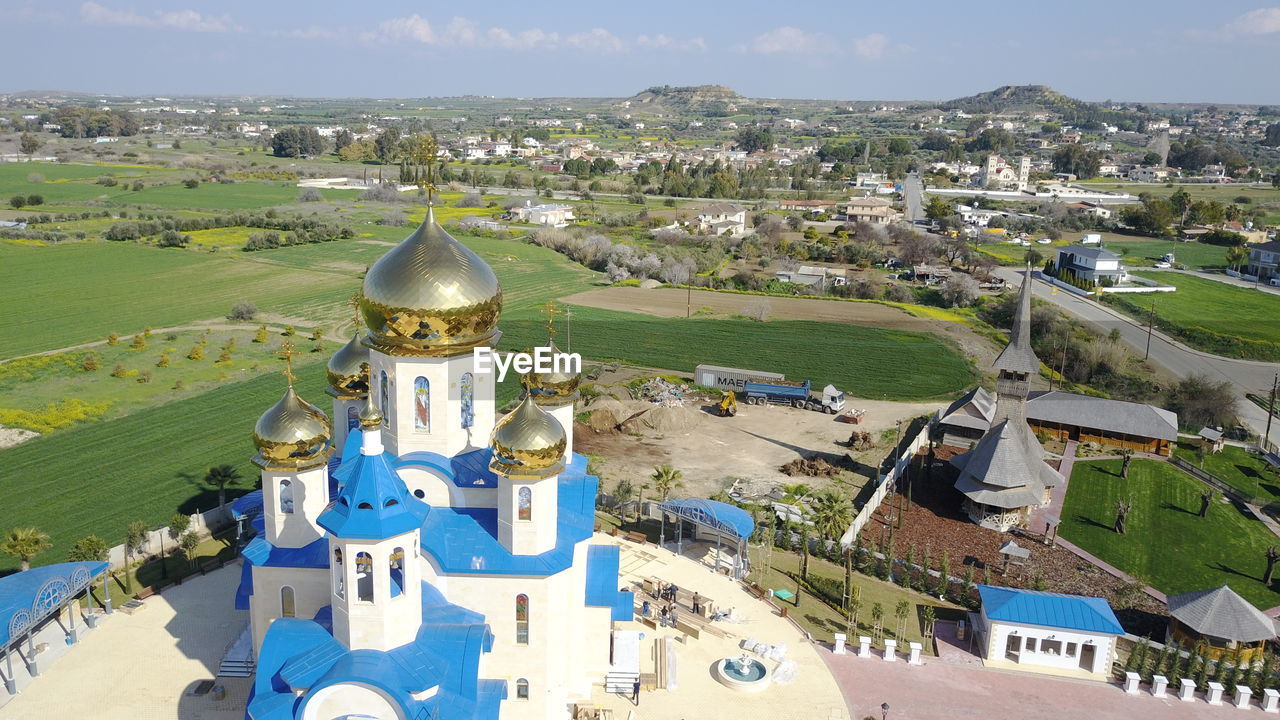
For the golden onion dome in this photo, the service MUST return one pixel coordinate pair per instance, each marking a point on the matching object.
(348, 370)
(430, 296)
(555, 388)
(370, 415)
(528, 443)
(292, 435)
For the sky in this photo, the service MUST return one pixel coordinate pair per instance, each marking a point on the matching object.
(1224, 51)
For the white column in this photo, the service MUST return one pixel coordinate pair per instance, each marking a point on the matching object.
(1243, 692)
(1271, 701)
(1131, 681)
(1187, 692)
(890, 650)
(1158, 685)
(839, 647)
(915, 653)
(1215, 693)
(864, 646)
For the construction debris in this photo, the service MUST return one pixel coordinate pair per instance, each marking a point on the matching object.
(663, 392)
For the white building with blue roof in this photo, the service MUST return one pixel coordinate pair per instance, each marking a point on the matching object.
(442, 564)
(1061, 634)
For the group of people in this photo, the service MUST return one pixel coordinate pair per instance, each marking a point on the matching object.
(666, 596)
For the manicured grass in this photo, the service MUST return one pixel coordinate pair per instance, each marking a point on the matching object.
(1212, 316)
(1167, 543)
(1243, 470)
(1007, 253)
(97, 478)
(1144, 252)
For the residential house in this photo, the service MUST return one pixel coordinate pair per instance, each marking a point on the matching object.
(876, 211)
(1095, 264)
(1089, 208)
(1149, 174)
(547, 214)
(723, 219)
(1264, 260)
(1054, 633)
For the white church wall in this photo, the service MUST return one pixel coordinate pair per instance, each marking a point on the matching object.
(438, 426)
(291, 511)
(310, 593)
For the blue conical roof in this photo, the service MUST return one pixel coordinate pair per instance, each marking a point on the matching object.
(372, 504)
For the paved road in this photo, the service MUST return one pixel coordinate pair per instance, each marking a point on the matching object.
(913, 192)
(1169, 354)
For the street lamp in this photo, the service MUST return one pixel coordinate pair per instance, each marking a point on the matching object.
(164, 566)
(884, 711)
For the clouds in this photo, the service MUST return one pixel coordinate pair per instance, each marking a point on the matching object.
(872, 46)
(1263, 21)
(790, 40)
(187, 20)
(461, 32)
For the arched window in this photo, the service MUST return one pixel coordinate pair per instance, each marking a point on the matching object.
(421, 404)
(524, 504)
(522, 689)
(286, 496)
(522, 619)
(467, 392)
(287, 608)
(384, 393)
(364, 577)
(397, 571)
(353, 418)
(339, 578)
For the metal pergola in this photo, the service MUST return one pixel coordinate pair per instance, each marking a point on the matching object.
(724, 519)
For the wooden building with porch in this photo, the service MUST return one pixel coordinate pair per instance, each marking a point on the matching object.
(1220, 624)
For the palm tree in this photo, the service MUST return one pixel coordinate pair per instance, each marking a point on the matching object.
(877, 617)
(665, 479)
(24, 544)
(804, 550)
(1236, 254)
(831, 514)
(623, 492)
(220, 476)
(901, 611)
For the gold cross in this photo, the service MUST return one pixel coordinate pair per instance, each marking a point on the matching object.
(354, 302)
(286, 352)
(551, 311)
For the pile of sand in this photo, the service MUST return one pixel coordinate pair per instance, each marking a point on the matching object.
(606, 413)
(664, 419)
(650, 284)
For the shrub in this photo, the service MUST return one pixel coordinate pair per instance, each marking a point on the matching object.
(89, 362)
(190, 183)
(144, 377)
(243, 312)
(35, 178)
(119, 371)
(139, 342)
(35, 199)
(224, 356)
(106, 181)
(261, 335)
(197, 352)
(164, 360)
(137, 185)
(471, 200)
(88, 549)
(309, 195)
(17, 201)
(289, 331)
(113, 338)
(173, 238)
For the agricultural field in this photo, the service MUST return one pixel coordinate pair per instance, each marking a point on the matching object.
(1211, 316)
(1245, 471)
(1167, 544)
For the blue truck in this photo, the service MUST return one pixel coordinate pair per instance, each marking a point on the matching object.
(795, 394)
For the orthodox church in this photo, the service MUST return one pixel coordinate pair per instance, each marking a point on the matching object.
(423, 559)
(1004, 477)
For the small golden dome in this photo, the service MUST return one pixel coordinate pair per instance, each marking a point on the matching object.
(430, 296)
(292, 435)
(528, 443)
(348, 370)
(552, 389)
(370, 416)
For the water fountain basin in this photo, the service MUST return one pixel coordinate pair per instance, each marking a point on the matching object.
(744, 674)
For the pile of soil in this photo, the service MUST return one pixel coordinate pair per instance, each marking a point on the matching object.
(810, 467)
(664, 419)
(861, 440)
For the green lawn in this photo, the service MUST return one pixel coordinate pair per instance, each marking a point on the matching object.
(241, 195)
(1211, 316)
(1144, 252)
(98, 477)
(1243, 470)
(1167, 544)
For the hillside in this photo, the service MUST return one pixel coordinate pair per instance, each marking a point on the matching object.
(701, 99)
(1014, 97)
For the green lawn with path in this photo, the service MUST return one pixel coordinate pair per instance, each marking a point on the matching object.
(1167, 544)
(1247, 472)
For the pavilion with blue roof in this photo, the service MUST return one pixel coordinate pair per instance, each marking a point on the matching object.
(32, 598)
(711, 519)
(1046, 632)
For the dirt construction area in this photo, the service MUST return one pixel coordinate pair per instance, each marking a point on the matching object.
(674, 302)
(712, 452)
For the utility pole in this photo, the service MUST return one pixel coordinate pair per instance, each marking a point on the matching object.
(1271, 411)
(1151, 321)
(688, 302)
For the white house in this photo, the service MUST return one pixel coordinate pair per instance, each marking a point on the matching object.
(548, 214)
(1090, 263)
(876, 211)
(1046, 632)
(723, 219)
(1149, 174)
(1264, 260)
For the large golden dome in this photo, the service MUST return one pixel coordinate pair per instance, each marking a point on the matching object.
(553, 389)
(528, 443)
(430, 296)
(348, 370)
(292, 435)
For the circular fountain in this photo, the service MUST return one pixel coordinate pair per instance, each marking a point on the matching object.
(742, 673)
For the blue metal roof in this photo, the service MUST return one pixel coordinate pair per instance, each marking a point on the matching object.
(714, 514)
(30, 596)
(373, 503)
(602, 582)
(263, 554)
(1055, 610)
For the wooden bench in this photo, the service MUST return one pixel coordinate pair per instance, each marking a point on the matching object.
(146, 592)
(637, 537)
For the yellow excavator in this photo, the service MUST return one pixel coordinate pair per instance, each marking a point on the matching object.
(728, 406)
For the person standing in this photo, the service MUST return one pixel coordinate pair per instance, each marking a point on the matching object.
(663, 618)
(697, 603)
(635, 693)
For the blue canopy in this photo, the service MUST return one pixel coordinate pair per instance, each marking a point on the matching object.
(30, 596)
(713, 514)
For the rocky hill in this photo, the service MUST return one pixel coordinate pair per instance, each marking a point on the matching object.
(1014, 97)
(702, 99)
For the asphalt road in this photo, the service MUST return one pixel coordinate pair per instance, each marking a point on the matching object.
(1169, 354)
(913, 193)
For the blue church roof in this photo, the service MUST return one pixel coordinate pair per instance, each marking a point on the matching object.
(30, 596)
(602, 582)
(372, 503)
(263, 554)
(1046, 609)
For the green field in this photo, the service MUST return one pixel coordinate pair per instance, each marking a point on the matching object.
(1245, 471)
(1257, 194)
(1211, 316)
(1167, 543)
(241, 195)
(1144, 252)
